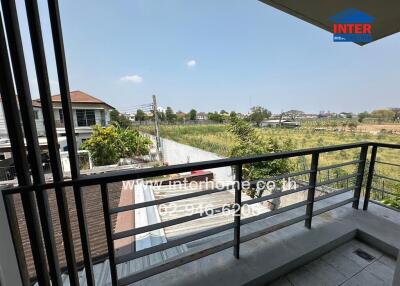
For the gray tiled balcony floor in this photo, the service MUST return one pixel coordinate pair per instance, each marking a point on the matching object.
(343, 267)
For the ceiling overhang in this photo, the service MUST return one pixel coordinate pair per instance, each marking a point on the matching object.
(386, 13)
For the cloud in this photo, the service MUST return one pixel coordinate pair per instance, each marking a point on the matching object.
(191, 63)
(132, 78)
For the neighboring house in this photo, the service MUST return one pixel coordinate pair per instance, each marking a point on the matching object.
(279, 123)
(3, 127)
(161, 109)
(130, 116)
(181, 114)
(87, 111)
(201, 116)
(37, 113)
(241, 115)
(346, 115)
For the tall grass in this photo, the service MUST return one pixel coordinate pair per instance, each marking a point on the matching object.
(216, 138)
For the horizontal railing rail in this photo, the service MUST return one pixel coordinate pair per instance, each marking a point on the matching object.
(233, 227)
(380, 194)
(125, 175)
(36, 215)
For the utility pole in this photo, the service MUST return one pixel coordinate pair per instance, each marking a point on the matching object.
(157, 131)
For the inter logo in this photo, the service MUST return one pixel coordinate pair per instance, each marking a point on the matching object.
(352, 25)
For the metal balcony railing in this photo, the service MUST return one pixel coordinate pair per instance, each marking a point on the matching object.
(33, 191)
(9, 173)
(103, 180)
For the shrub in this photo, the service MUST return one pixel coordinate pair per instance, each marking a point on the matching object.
(107, 145)
(250, 142)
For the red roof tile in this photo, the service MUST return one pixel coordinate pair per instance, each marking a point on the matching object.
(78, 97)
(95, 224)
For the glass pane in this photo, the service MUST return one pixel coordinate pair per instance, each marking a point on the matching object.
(90, 117)
(80, 116)
(61, 115)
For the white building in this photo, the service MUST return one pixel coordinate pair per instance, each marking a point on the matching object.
(87, 111)
(130, 116)
(274, 123)
(201, 116)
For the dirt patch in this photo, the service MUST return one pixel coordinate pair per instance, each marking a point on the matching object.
(375, 128)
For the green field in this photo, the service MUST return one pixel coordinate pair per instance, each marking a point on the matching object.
(216, 138)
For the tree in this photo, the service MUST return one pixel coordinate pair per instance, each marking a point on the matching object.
(161, 116)
(217, 117)
(293, 114)
(250, 142)
(192, 114)
(396, 111)
(170, 116)
(108, 145)
(140, 115)
(114, 114)
(362, 116)
(223, 112)
(258, 114)
(383, 115)
(119, 118)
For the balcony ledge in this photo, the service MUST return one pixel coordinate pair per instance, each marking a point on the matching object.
(267, 258)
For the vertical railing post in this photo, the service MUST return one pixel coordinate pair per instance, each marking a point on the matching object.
(311, 190)
(238, 206)
(31, 136)
(16, 136)
(35, 31)
(360, 176)
(55, 22)
(110, 242)
(10, 213)
(370, 177)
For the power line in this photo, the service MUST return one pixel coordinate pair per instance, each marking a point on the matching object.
(133, 109)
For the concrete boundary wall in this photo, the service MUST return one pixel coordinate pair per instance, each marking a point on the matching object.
(176, 153)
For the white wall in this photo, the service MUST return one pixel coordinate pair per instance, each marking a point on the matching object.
(177, 153)
(39, 122)
(3, 127)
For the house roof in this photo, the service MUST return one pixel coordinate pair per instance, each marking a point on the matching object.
(95, 225)
(36, 103)
(385, 14)
(77, 96)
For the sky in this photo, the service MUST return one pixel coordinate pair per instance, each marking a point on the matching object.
(211, 55)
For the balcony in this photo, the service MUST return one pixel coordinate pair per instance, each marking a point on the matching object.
(96, 230)
(239, 249)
